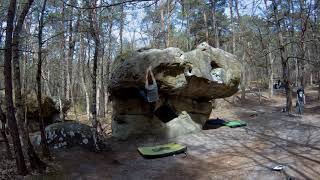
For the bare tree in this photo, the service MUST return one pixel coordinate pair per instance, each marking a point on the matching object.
(95, 34)
(44, 145)
(21, 166)
(71, 44)
(284, 57)
(82, 57)
(269, 58)
(63, 69)
(304, 17)
(34, 160)
(163, 28)
(168, 23)
(214, 23)
(109, 59)
(232, 27)
(121, 25)
(205, 19)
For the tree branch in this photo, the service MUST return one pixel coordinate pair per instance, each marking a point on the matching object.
(107, 5)
(286, 44)
(316, 63)
(53, 36)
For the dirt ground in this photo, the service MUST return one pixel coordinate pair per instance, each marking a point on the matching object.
(270, 138)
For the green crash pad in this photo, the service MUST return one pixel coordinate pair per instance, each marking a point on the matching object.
(162, 150)
(236, 123)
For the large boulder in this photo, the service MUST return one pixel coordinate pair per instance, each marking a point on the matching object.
(66, 135)
(188, 84)
(50, 111)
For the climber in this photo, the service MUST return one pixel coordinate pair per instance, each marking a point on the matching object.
(151, 88)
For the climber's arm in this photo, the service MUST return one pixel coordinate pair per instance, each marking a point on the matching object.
(152, 76)
(146, 79)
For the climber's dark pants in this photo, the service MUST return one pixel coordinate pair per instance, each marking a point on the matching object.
(143, 94)
(152, 104)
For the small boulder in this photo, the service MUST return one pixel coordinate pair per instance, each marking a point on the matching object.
(66, 135)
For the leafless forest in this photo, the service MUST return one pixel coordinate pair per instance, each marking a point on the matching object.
(64, 50)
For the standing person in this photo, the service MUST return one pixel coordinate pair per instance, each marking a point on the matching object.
(301, 100)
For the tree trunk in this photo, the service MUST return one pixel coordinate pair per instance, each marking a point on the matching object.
(63, 79)
(163, 33)
(44, 145)
(270, 72)
(246, 50)
(296, 65)
(269, 61)
(284, 59)
(232, 27)
(34, 160)
(121, 26)
(102, 86)
(25, 72)
(98, 88)
(71, 44)
(109, 60)
(82, 57)
(243, 79)
(24, 63)
(304, 27)
(205, 19)
(214, 23)
(21, 166)
(169, 23)
(189, 46)
(86, 97)
(311, 79)
(311, 72)
(94, 93)
(85, 92)
(95, 34)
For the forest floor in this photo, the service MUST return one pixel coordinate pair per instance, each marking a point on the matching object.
(270, 138)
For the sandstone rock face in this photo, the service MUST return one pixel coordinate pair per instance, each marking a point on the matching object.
(188, 83)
